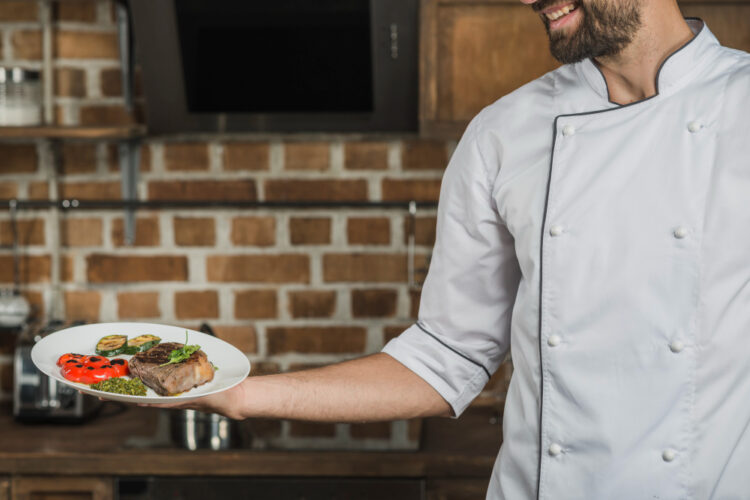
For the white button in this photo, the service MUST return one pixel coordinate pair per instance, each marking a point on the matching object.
(668, 455)
(676, 346)
(556, 230)
(555, 449)
(553, 340)
(680, 232)
(568, 130)
(694, 126)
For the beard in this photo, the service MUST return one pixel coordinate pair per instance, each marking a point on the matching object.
(605, 28)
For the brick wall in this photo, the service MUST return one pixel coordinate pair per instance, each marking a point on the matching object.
(291, 288)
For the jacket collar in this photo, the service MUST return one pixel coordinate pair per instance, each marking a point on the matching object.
(674, 68)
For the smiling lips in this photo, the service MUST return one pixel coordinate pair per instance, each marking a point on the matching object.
(557, 11)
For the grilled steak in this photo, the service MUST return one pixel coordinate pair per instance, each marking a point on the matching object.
(171, 379)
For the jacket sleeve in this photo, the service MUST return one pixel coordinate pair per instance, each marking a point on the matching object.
(463, 330)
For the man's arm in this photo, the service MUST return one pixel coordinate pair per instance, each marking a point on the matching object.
(372, 388)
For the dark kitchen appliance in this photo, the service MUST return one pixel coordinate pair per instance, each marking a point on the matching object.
(39, 398)
(278, 65)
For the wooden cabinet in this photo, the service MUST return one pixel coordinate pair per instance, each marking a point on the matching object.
(472, 52)
(4, 488)
(60, 488)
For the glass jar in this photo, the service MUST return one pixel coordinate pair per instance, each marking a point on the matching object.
(20, 97)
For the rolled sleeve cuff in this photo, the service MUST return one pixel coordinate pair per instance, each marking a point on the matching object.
(452, 374)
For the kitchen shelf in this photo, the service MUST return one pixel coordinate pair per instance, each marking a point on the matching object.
(62, 132)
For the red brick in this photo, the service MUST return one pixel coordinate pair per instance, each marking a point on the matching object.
(414, 298)
(28, 232)
(196, 305)
(316, 190)
(261, 368)
(424, 230)
(105, 114)
(101, 268)
(83, 305)
(256, 231)
(310, 230)
(18, 158)
(81, 232)
(90, 190)
(147, 232)
(247, 156)
(299, 428)
(236, 190)
(391, 332)
(318, 339)
(243, 337)
(371, 430)
(307, 156)
(135, 305)
(77, 11)
(70, 82)
(368, 230)
(312, 304)
(376, 268)
(374, 303)
(38, 190)
(111, 82)
(78, 157)
(9, 190)
(255, 304)
(285, 268)
(424, 155)
(366, 155)
(86, 45)
(36, 301)
(194, 231)
(191, 156)
(411, 190)
(32, 268)
(18, 11)
(66, 269)
(27, 44)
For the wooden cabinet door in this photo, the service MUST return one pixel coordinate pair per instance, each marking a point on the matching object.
(61, 488)
(4, 488)
(472, 52)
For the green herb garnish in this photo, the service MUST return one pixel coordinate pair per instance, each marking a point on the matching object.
(121, 385)
(181, 354)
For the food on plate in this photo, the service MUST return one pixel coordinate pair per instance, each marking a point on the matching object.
(169, 373)
(121, 385)
(141, 343)
(91, 369)
(111, 345)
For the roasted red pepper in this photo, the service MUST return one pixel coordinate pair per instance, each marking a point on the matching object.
(91, 369)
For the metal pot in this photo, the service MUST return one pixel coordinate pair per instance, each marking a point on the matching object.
(14, 309)
(195, 430)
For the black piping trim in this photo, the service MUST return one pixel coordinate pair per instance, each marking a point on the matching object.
(658, 72)
(467, 358)
(544, 223)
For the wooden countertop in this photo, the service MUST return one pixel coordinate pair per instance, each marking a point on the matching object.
(103, 446)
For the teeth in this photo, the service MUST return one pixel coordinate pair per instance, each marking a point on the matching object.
(559, 13)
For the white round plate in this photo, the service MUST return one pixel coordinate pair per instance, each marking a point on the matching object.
(232, 364)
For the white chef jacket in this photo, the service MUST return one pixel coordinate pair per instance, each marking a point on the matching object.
(608, 248)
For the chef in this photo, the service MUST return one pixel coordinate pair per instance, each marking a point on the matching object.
(595, 226)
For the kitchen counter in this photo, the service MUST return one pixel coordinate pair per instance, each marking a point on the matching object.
(116, 444)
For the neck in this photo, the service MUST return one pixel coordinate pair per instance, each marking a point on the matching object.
(631, 74)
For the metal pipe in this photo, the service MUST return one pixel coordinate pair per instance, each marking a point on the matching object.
(68, 204)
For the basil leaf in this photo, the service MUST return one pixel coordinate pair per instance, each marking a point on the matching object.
(180, 355)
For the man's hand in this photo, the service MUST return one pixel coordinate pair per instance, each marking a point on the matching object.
(372, 388)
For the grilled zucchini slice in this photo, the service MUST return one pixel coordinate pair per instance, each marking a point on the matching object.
(141, 343)
(111, 345)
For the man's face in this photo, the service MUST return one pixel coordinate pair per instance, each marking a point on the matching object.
(591, 28)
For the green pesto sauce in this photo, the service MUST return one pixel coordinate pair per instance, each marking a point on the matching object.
(121, 385)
